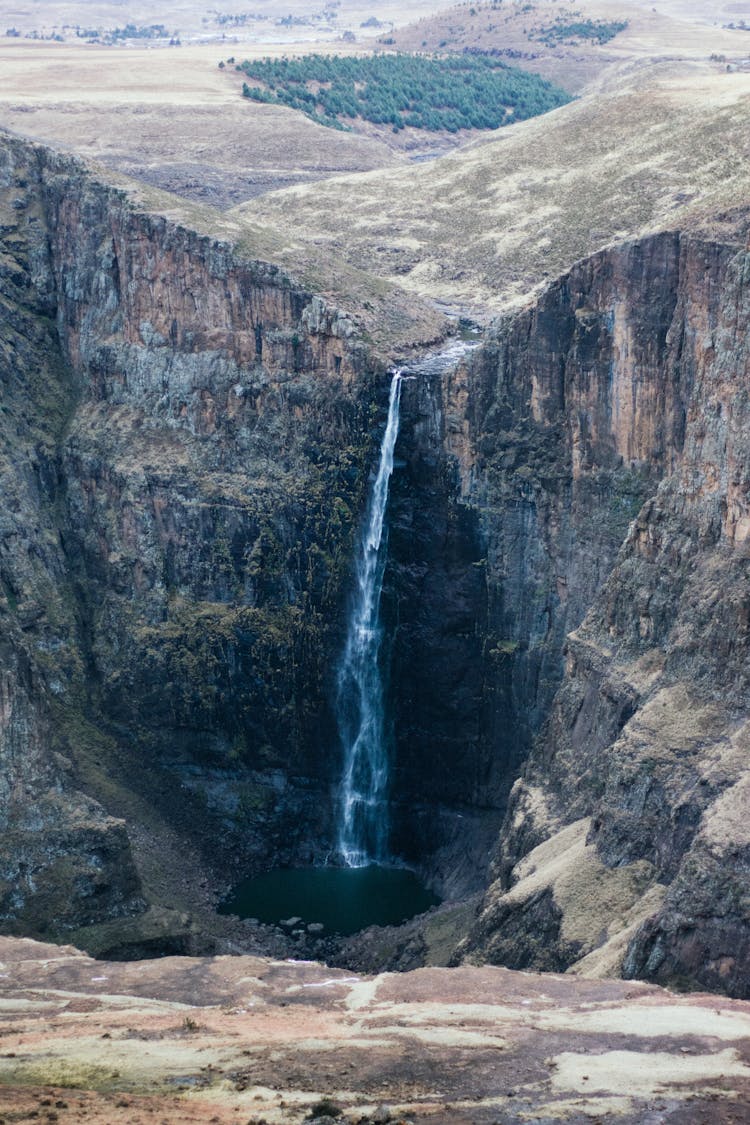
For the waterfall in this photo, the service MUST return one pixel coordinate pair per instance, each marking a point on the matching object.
(363, 813)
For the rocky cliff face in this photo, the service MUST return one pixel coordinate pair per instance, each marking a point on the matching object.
(185, 435)
(617, 408)
(185, 439)
(524, 466)
(449, 700)
(202, 429)
(62, 855)
(214, 472)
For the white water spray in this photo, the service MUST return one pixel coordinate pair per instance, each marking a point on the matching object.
(363, 816)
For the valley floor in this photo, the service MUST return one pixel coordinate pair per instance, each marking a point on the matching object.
(250, 1039)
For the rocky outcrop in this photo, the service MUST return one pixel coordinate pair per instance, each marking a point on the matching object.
(243, 1038)
(64, 860)
(632, 373)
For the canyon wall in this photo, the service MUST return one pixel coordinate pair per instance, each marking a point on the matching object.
(604, 439)
(186, 438)
(62, 854)
(449, 698)
(186, 435)
(199, 434)
(525, 463)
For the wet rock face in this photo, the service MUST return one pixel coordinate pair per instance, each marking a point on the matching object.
(450, 708)
(646, 737)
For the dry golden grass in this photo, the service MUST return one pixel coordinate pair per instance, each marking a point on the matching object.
(170, 117)
(659, 139)
(657, 145)
(690, 29)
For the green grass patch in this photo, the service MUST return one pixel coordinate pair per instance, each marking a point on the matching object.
(432, 92)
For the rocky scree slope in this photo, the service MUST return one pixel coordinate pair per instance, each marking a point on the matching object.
(185, 441)
(622, 396)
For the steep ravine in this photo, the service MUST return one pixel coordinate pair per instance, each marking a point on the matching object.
(197, 433)
(565, 588)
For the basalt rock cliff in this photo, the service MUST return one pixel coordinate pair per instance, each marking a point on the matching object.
(619, 403)
(187, 432)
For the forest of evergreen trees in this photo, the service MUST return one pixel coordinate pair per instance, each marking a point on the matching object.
(572, 31)
(421, 91)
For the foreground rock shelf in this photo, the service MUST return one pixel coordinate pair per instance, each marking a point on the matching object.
(249, 1039)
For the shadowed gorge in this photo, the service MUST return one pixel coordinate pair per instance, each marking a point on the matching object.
(180, 611)
(177, 668)
(562, 670)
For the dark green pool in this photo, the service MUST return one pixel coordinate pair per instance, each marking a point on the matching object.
(342, 899)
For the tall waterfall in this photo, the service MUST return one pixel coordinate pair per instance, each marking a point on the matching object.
(363, 814)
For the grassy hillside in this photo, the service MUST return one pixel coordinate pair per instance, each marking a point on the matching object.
(572, 43)
(483, 227)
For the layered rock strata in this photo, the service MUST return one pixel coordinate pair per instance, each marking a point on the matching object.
(619, 401)
(185, 434)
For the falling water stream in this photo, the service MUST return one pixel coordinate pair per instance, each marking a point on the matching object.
(363, 886)
(360, 704)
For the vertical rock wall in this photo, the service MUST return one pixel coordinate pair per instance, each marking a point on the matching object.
(525, 465)
(189, 434)
(449, 698)
(64, 860)
(623, 850)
